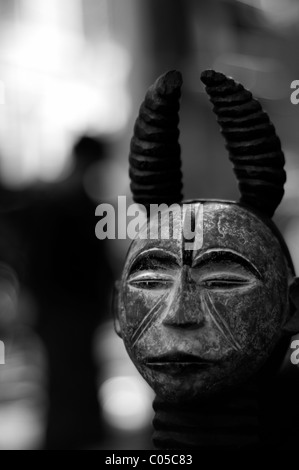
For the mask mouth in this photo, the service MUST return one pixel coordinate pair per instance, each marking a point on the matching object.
(179, 359)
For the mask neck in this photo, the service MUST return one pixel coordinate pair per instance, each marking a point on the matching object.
(224, 422)
(260, 414)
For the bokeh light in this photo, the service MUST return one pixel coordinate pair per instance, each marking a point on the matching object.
(126, 403)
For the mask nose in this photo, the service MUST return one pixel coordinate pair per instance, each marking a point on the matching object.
(185, 310)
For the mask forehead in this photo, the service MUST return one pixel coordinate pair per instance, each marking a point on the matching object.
(219, 225)
(230, 226)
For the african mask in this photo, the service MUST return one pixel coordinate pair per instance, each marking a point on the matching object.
(203, 318)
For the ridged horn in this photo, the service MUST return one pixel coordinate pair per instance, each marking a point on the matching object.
(155, 153)
(251, 141)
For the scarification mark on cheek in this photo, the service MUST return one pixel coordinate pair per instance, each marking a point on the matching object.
(159, 311)
(149, 319)
(219, 321)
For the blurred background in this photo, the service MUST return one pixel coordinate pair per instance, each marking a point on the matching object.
(72, 76)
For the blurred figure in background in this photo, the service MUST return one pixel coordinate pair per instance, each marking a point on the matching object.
(69, 276)
(48, 240)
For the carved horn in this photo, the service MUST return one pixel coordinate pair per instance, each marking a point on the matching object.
(251, 141)
(155, 163)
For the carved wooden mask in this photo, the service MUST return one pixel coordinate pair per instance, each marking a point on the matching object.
(198, 321)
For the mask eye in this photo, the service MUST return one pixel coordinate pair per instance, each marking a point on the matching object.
(224, 283)
(221, 272)
(150, 281)
(151, 284)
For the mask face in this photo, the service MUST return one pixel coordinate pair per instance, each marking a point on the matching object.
(198, 321)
